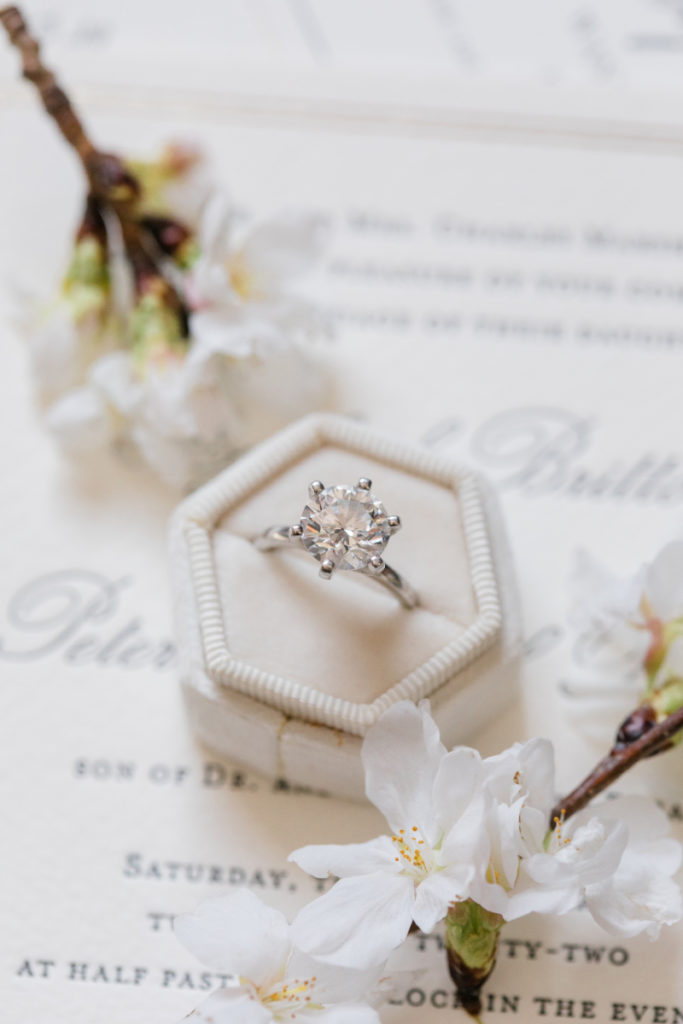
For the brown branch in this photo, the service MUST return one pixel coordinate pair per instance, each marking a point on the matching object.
(169, 234)
(54, 99)
(108, 179)
(111, 186)
(654, 740)
(93, 224)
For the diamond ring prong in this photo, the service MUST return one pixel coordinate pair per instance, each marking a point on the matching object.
(344, 528)
(326, 569)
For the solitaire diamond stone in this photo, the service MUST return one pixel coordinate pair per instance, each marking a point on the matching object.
(346, 525)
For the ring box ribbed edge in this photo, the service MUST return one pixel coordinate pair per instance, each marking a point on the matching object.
(279, 730)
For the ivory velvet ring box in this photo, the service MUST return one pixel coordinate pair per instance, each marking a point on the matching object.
(284, 672)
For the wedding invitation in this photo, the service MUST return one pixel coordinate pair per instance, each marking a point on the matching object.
(504, 290)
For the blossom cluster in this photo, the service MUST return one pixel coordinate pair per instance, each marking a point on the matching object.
(628, 640)
(464, 831)
(274, 981)
(187, 354)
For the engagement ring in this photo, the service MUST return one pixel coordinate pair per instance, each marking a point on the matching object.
(344, 528)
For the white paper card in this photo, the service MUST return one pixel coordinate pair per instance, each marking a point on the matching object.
(515, 304)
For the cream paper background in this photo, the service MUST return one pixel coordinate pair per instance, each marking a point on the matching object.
(510, 295)
(635, 43)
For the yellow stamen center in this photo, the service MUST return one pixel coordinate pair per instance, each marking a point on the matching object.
(290, 997)
(407, 846)
(559, 822)
(240, 279)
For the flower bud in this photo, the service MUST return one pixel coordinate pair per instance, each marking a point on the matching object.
(158, 325)
(636, 725)
(110, 179)
(668, 698)
(173, 238)
(471, 944)
(86, 284)
(163, 179)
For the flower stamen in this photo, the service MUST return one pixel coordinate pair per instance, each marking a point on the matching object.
(559, 822)
(407, 849)
(240, 279)
(292, 995)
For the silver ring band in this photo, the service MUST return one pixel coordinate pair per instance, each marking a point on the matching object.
(283, 537)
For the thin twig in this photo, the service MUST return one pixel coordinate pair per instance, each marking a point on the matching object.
(55, 101)
(111, 186)
(622, 757)
(108, 179)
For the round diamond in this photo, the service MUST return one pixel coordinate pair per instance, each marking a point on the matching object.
(346, 525)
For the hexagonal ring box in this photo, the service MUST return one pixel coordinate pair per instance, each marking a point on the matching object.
(283, 671)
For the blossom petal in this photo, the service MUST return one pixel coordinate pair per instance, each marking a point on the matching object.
(648, 901)
(55, 349)
(114, 377)
(358, 922)
(346, 860)
(358, 1013)
(664, 856)
(433, 896)
(672, 666)
(238, 934)
(281, 248)
(664, 582)
(215, 227)
(599, 597)
(215, 336)
(333, 984)
(80, 421)
(455, 783)
(610, 647)
(640, 895)
(529, 898)
(401, 755)
(247, 380)
(219, 338)
(467, 842)
(589, 853)
(504, 835)
(537, 760)
(231, 1006)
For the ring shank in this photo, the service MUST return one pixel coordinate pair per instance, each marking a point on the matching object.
(280, 537)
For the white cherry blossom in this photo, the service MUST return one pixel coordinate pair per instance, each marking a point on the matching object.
(616, 855)
(82, 421)
(240, 284)
(624, 631)
(641, 895)
(61, 347)
(189, 417)
(467, 828)
(428, 797)
(189, 358)
(65, 334)
(175, 182)
(189, 406)
(239, 935)
(629, 614)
